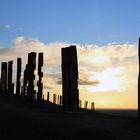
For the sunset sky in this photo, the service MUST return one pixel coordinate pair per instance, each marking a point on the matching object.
(106, 34)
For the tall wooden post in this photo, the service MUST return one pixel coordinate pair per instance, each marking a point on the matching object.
(70, 78)
(60, 103)
(18, 76)
(80, 103)
(58, 98)
(48, 96)
(86, 104)
(54, 98)
(10, 71)
(4, 77)
(92, 106)
(24, 88)
(40, 74)
(139, 83)
(31, 75)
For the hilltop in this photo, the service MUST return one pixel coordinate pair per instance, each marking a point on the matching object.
(20, 119)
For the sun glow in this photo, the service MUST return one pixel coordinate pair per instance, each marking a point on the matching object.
(110, 80)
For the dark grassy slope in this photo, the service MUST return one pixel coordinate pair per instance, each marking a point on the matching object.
(22, 120)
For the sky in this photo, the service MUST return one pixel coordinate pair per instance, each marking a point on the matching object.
(106, 34)
(72, 21)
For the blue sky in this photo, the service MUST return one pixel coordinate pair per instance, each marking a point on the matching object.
(72, 21)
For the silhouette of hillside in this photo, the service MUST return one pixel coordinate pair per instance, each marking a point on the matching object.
(22, 120)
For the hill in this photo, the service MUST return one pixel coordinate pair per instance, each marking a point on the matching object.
(20, 119)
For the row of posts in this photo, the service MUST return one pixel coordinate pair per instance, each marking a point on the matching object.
(71, 99)
(27, 89)
(6, 85)
(57, 99)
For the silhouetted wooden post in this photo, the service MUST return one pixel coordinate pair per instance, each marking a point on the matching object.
(10, 70)
(40, 74)
(48, 96)
(92, 106)
(18, 76)
(54, 98)
(80, 104)
(60, 103)
(24, 88)
(4, 77)
(31, 76)
(58, 99)
(70, 78)
(12, 88)
(139, 83)
(86, 104)
(0, 84)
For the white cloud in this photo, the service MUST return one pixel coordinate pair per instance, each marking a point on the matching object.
(7, 26)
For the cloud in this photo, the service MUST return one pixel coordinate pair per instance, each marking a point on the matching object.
(99, 66)
(81, 82)
(111, 70)
(89, 83)
(7, 26)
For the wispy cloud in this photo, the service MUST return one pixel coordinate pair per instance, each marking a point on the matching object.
(7, 26)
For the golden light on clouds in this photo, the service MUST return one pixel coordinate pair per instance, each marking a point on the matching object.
(109, 80)
(107, 74)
